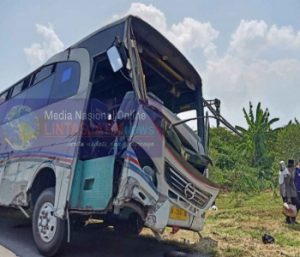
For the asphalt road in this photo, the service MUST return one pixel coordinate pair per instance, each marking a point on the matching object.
(87, 242)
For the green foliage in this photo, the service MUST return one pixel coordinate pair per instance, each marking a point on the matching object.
(224, 148)
(257, 136)
(288, 142)
(249, 163)
(242, 179)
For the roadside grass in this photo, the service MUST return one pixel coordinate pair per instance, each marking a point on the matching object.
(241, 225)
(237, 227)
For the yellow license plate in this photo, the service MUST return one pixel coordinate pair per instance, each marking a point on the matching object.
(178, 214)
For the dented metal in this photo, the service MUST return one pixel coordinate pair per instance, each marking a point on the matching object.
(171, 178)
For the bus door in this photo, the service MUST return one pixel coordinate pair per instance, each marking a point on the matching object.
(92, 186)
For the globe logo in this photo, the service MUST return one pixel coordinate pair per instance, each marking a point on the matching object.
(21, 128)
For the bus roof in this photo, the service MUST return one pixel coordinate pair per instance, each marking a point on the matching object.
(99, 41)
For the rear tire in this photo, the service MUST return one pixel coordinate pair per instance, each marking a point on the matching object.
(49, 232)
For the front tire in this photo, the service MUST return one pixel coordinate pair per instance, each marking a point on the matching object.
(49, 232)
(132, 226)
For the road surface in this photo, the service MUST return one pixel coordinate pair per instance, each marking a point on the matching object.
(17, 237)
(6, 253)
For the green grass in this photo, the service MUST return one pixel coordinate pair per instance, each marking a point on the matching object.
(241, 220)
(234, 252)
(236, 229)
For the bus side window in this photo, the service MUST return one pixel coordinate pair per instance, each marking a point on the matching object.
(3, 97)
(38, 95)
(17, 89)
(3, 108)
(66, 81)
(44, 73)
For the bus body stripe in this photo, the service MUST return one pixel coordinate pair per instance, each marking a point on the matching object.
(140, 172)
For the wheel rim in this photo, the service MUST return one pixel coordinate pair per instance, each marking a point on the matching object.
(47, 222)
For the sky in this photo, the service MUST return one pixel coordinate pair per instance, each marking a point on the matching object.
(244, 50)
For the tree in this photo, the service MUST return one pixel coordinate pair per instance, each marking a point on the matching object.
(223, 148)
(288, 142)
(256, 138)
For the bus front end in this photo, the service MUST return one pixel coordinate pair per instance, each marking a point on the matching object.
(183, 178)
(171, 186)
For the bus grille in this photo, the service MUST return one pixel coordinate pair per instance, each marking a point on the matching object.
(185, 189)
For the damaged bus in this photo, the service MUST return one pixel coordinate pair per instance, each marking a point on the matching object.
(94, 132)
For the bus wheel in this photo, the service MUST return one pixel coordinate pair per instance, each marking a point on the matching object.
(132, 226)
(49, 232)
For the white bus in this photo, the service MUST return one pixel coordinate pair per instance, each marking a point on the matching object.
(95, 132)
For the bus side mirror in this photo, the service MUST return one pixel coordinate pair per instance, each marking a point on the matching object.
(114, 58)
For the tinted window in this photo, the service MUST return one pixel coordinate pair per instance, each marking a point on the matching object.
(28, 100)
(17, 99)
(37, 96)
(17, 89)
(66, 82)
(3, 108)
(3, 97)
(43, 73)
(59, 85)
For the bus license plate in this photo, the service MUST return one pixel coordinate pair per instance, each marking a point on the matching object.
(178, 214)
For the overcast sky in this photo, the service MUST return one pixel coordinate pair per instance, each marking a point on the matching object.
(244, 50)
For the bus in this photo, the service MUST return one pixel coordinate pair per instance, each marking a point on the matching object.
(95, 132)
